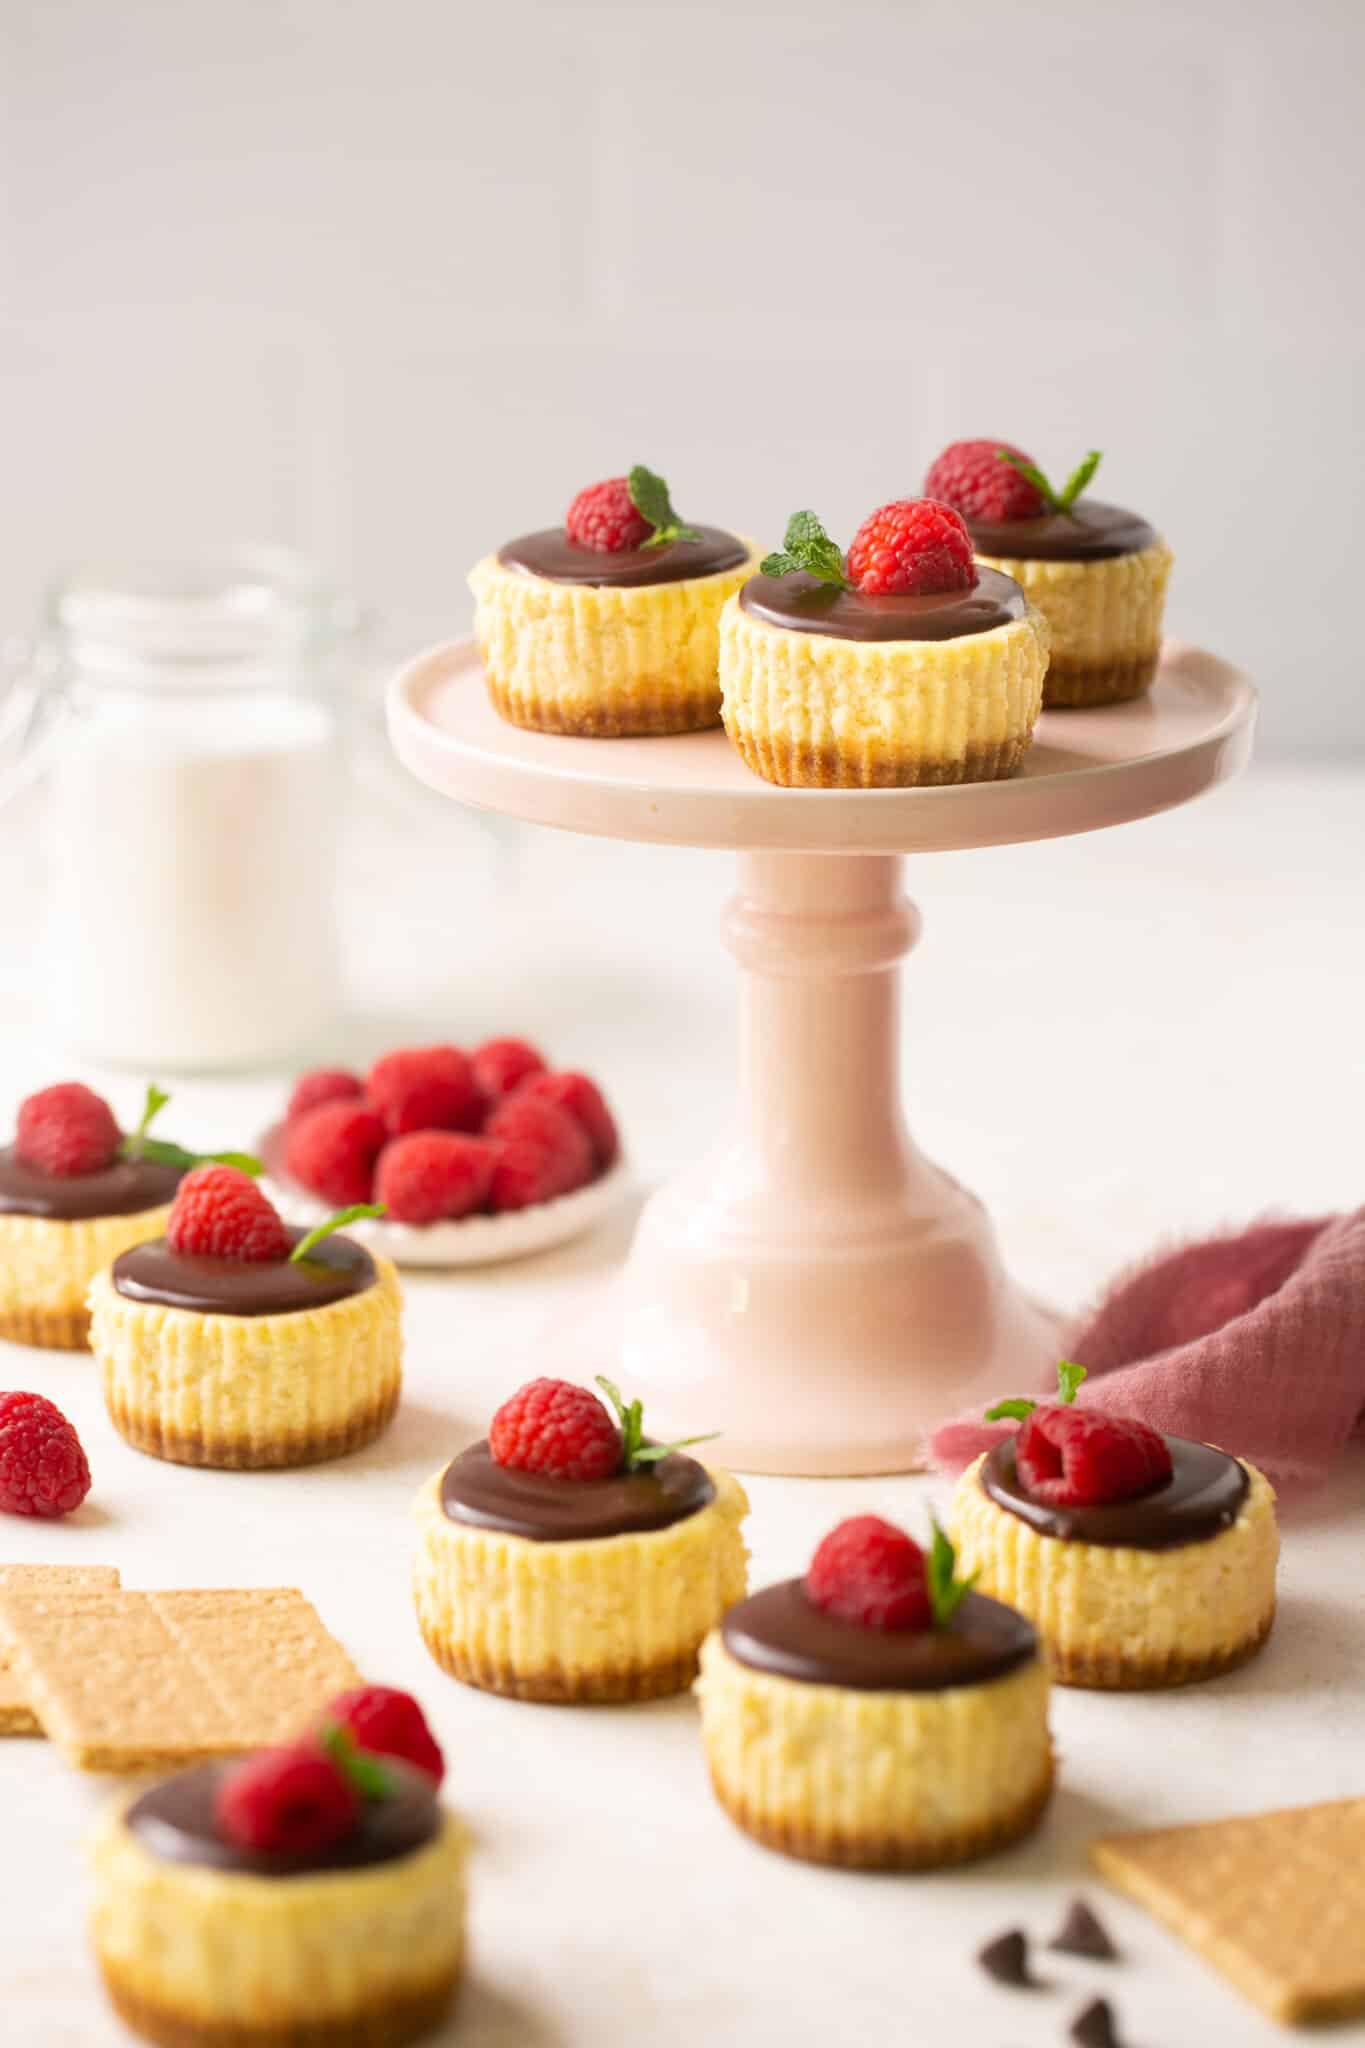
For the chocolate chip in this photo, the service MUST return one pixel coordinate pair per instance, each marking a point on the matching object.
(1096, 2026)
(1006, 1959)
(1081, 1934)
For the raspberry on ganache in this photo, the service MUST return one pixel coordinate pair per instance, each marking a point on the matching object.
(292, 1801)
(220, 1213)
(871, 1573)
(1066, 1456)
(911, 547)
(66, 1130)
(995, 481)
(625, 512)
(563, 1431)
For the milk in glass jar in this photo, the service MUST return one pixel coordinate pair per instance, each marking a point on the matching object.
(192, 812)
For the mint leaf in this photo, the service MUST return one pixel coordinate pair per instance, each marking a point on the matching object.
(635, 1452)
(368, 1776)
(161, 1152)
(946, 1590)
(1069, 1379)
(1056, 501)
(1010, 1411)
(649, 496)
(650, 1454)
(1078, 479)
(157, 1098)
(357, 1213)
(808, 547)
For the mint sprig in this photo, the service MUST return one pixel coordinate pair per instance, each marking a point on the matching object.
(946, 1590)
(161, 1152)
(359, 1212)
(635, 1452)
(807, 546)
(1056, 501)
(367, 1775)
(649, 496)
(1069, 1379)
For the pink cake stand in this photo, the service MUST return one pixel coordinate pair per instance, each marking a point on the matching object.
(816, 1288)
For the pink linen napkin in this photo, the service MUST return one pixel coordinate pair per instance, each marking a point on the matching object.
(1254, 1341)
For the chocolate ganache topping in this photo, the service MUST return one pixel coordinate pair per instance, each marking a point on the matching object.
(1202, 1497)
(1089, 532)
(477, 1490)
(335, 1268)
(781, 1631)
(803, 604)
(553, 555)
(176, 1822)
(125, 1188)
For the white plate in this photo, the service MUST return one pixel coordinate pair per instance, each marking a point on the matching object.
(474, 1240)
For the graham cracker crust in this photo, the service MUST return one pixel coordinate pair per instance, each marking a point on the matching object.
(868, 1851)
(47, 1329)
(1120, 1673)
(556, 1689)
(406, 2017)
(1077, 685)
(806, 767)
(653, 714)
(147, 1433)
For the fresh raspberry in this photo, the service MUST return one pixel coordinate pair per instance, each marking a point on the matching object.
(434, 1176)
(604, 517)
(557, 1429)
(389, 1723)
(42, 1466)
(220, 1213)
(324, 1084)
(584, 1102)
(1078, 1458)
(333, 1151)
(971, 478)
(542, 1152)
(502, 1064)
(286, 1802)
(425, 1088)
(911, 548)
(869, 1571)
(66, 1130)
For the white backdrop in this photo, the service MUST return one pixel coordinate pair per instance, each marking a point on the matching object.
(389, 282)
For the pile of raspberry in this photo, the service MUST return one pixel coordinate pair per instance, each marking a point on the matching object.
(437, 1134)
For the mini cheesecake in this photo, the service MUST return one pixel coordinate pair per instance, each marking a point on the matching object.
(828, 686)
(58, 1230)
(1162, 1589)
(238, 1364)
(1097, 572)
(876, 1748)
(576, 1590)
(355, 1945)
(607, 642)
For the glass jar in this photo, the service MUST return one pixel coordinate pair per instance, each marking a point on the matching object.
(191, 813)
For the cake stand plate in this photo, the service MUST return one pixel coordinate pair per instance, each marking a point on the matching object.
(816, 1288)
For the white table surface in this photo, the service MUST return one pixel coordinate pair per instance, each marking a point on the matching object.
(1188, 1017)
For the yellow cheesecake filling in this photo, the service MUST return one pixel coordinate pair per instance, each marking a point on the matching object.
(250, 1391)
(598, 660)
(611, 1618)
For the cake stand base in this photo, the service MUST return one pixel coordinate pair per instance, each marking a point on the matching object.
(815, 1289)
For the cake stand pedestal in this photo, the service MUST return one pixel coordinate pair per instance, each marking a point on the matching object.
(816, 1288)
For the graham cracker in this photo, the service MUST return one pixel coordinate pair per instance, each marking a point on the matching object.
(16, 1715)
(1276, 1901)
(126, 1681)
